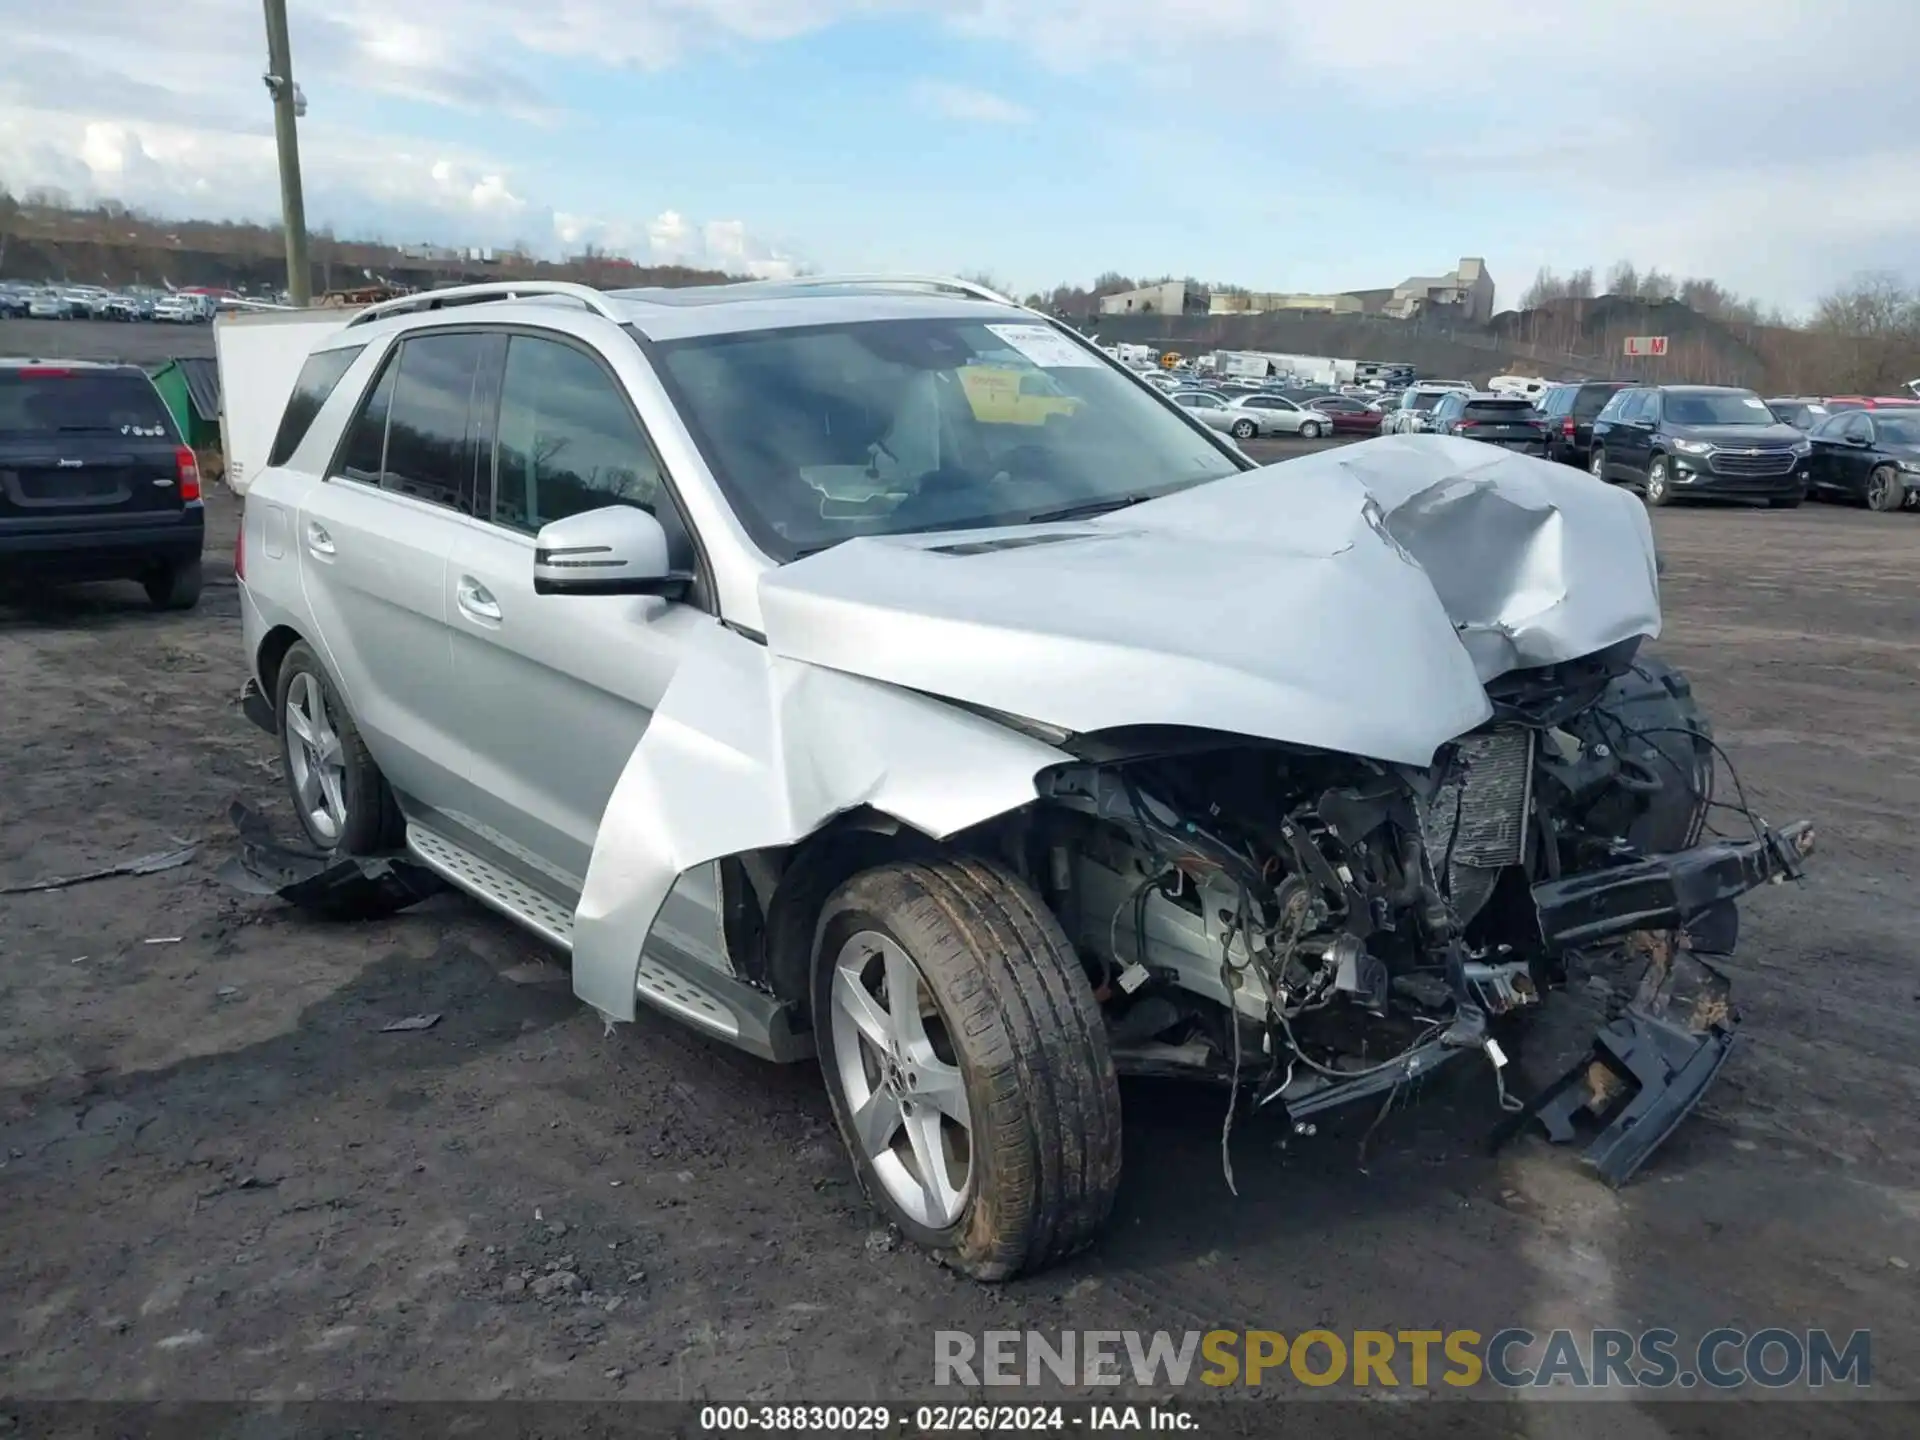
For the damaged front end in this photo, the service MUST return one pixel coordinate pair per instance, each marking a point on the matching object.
(1327, 930)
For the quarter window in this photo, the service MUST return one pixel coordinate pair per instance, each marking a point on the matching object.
(567, 439)
(310, 392)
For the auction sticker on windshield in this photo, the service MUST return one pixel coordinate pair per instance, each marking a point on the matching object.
(1046, 346)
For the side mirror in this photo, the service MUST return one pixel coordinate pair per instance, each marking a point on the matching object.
(615, 550)
(1859, 442)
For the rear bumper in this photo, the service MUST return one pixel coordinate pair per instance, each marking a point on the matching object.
(100, 551)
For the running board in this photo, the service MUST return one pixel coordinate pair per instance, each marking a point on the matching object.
(716, 1004)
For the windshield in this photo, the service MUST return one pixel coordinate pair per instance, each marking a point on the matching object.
(54, 401)
(1425, 399)
(1897, 429)
(1716, 407)
(1797, 413)
(887, 427)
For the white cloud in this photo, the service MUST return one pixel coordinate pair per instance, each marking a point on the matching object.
(964, 102)
(104, 100)
(1709, 135)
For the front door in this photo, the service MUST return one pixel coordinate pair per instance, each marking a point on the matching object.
(554, 691)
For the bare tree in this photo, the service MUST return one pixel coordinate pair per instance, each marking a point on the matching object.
(1623, 278)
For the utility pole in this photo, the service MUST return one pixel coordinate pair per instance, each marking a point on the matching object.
(288, 106)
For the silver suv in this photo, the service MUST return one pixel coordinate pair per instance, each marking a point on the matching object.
(876, 670)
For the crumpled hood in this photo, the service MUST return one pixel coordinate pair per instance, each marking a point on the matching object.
(1356, 600)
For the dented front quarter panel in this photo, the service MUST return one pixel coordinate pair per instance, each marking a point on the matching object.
(749, 751)
(1356, 600)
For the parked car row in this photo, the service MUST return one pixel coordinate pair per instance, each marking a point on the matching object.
(21, 300)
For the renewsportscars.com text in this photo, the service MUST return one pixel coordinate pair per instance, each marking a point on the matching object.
(1723, 1359)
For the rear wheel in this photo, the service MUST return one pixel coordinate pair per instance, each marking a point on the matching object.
(1310, 430)
(1659, 484)
(338, 792)
(967, 1064)
(1885, 490)
(175, 585)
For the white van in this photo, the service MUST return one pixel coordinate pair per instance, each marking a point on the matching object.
(1527, 387)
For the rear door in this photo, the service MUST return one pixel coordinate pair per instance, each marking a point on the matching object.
(373, 543)
(85, 448)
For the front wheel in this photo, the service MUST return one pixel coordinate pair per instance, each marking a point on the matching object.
(1885, 490)
(1659, 486)
(967, 1064)
(1244, 430)
(1310, 430)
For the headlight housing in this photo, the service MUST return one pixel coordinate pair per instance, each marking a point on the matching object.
(1803, 447)
(1911, 467)
(1693, 447)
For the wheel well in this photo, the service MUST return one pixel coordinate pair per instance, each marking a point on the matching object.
(780, 934)
(273, 650)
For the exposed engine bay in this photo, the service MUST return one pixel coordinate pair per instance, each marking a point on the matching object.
(1323, 929)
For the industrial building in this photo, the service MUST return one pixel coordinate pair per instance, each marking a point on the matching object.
(1172, 297)
(1465, 295)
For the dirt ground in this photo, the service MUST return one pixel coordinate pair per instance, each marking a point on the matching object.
(220, 1178)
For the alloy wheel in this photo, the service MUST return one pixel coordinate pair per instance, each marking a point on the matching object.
(904, 1092)
(315, 758)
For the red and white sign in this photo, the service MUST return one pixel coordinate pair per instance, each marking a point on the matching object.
(1646, 345)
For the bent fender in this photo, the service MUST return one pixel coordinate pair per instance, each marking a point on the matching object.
(749, 751)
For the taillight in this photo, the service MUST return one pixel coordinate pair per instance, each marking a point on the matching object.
(187, 471)
(1566, 427)
(31, 372)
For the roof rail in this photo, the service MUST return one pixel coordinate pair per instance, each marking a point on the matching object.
(907, 282)
(480, 294)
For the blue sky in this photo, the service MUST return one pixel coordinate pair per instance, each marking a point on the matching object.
(1284, 146)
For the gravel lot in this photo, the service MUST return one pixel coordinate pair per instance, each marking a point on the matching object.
(218, 1178)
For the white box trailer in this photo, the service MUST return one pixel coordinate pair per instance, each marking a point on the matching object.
(259, 354)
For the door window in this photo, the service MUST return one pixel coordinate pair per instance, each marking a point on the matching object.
(362, 457)
(567, 439)
(427, 453)
(1858, 427)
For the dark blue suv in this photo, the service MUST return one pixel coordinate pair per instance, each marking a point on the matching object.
(95, 483)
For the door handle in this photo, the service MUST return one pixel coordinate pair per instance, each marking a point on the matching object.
(318, 540)
(475, 600)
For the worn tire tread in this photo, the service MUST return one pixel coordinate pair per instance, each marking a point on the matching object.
(1010, 980)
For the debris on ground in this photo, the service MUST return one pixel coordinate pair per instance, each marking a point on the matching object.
(141, 865)
(345, 887)
(412, 1022)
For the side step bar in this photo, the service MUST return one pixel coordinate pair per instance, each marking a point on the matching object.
(668, 981)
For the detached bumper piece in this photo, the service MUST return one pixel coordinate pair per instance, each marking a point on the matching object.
(1666, 892)
(348, 887)
(1647, 1069)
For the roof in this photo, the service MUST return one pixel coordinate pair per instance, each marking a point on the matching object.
(203, 384)
(661, 313)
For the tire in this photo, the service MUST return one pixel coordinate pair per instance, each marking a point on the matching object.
(1244, 430)
(1005, 1027)
(1659, 488)
(175, 585)
(365, 821)
(1310, 431)
(1885, 490)
(1597, 464)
